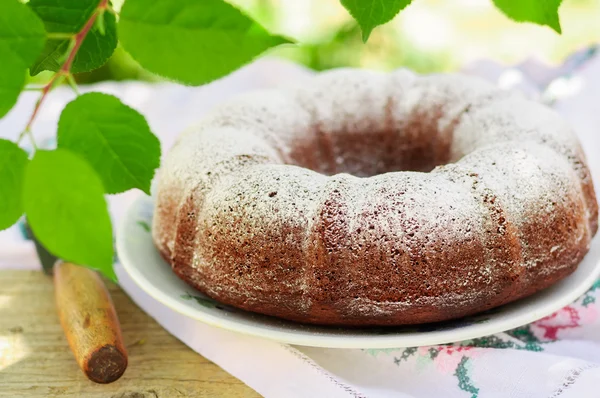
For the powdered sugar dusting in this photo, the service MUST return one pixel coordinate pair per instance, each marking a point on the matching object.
(247, 213)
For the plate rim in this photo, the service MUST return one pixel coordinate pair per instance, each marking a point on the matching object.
(366, 341)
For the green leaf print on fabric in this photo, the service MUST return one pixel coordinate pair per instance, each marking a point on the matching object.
(587, 300)
(525, 334)
(589, 297)
(433, 352)
(407, 353)
(496, 342)
(464, 380)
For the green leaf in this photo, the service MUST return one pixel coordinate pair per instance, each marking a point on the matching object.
(65, 207)
(12, 167)
(22, 34)
(542, 12)
(12, 80)
(68, 16)
(114, 138)
(191, 41)
(372, 13)
(22, 38)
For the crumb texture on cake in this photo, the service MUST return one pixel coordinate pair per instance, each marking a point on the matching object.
(371, 198)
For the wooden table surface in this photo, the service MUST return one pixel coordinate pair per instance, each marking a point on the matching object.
(35, 360)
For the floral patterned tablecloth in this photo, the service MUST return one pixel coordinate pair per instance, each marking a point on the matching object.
(557, 356)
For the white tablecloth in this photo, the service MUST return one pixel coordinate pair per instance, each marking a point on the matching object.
(558, 356)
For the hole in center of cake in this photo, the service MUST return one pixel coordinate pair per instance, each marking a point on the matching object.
(366, 154)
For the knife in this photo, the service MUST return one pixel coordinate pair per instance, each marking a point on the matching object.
(87, 316)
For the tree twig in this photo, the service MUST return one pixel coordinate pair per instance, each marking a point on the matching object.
(65, 69)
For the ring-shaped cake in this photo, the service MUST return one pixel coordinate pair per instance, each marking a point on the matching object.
(367, 198)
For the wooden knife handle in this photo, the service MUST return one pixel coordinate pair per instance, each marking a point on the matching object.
(90, 322)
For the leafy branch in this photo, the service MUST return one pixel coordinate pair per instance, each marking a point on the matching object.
(103, 146)
(65, 70)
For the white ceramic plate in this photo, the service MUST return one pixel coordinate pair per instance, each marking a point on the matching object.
(152, 274)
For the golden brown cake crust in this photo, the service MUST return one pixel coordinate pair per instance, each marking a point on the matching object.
(376, 199)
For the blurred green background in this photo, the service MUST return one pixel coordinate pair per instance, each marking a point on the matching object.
(428, 36)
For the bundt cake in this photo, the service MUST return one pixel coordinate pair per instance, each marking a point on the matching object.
(369, 198)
